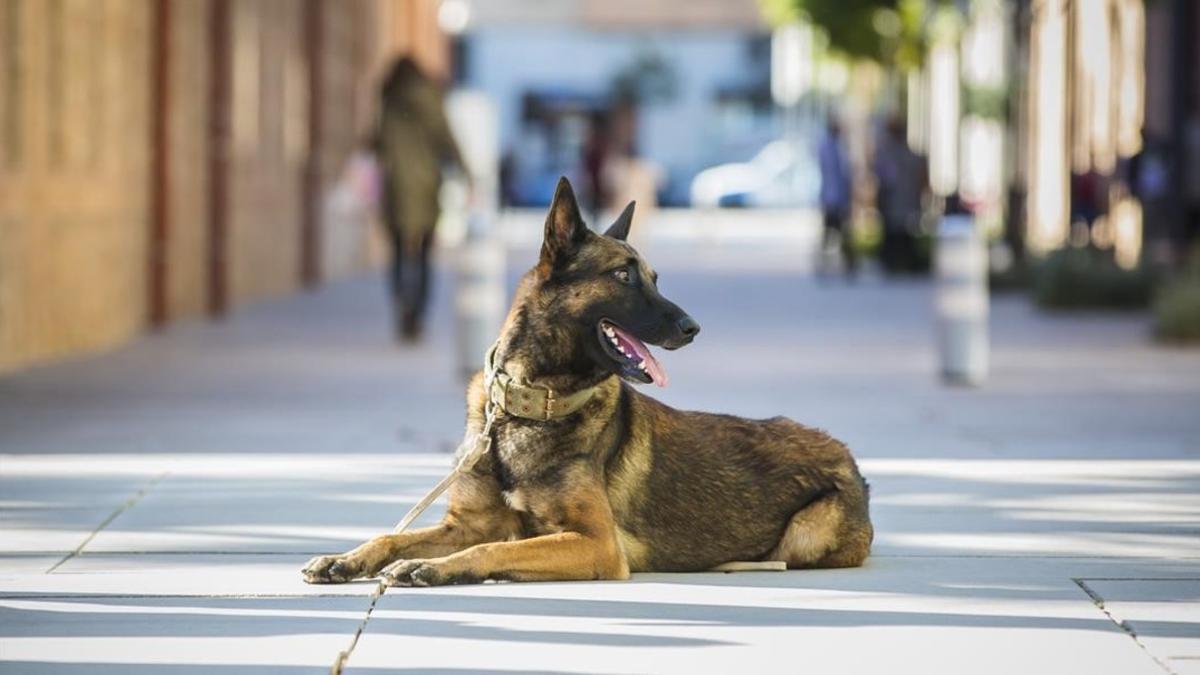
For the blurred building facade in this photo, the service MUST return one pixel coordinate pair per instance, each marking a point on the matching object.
(1111, 109)
(168, 158)
(1172, 124)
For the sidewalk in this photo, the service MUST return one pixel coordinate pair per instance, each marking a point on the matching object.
(158, 502)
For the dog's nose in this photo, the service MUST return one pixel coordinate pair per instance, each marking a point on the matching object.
(688, 326)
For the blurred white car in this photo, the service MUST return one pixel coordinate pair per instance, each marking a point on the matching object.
(778, 176)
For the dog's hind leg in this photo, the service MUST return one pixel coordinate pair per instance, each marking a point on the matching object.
(825, 533)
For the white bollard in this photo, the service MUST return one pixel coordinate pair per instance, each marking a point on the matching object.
(480, 295)
(962, 301)
(479, 302)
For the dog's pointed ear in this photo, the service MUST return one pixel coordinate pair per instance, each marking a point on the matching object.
(565, 229)
(620, 227)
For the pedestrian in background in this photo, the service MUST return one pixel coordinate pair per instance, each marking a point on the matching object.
(902, 183)
(594, 161)
(1089, 202)
(414, 142)
(836, 193)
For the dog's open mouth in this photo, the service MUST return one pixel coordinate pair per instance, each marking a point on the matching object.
(632, 354)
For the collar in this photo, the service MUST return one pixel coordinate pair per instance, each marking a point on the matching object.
(528, 401)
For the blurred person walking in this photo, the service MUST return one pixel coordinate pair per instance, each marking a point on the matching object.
(594, 159)
(835, 196)
(1191, 181)
(902, 183)
(413, 141)
(634, 179)
(629, 177)
(1089, 202)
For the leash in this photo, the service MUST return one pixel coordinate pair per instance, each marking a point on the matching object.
(479, 447)
(504, 396)
(472, 449)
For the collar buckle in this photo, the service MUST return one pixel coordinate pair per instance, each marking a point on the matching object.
(535, 402)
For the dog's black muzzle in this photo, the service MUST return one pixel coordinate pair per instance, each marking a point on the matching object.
(686, 330)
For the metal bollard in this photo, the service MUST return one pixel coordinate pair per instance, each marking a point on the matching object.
(962, 301)
(479, 299)
(479, 302)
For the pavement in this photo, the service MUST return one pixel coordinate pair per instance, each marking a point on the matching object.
(157, 502)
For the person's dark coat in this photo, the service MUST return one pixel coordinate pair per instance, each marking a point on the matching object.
(414, 141)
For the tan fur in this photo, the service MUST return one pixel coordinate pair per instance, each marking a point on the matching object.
(635, 551)
(811, 535)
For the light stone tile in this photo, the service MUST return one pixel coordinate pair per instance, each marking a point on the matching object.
(50, 505)
(1186, 666)
(1163, 613)
(112, 634)
(194, 574)
(284, 503)
(647, 626)
(21, 564)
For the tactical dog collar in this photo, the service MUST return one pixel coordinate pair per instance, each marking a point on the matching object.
(529, 401)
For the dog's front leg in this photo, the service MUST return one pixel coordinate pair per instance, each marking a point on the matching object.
(563, 556)
(456, 532)
(477, 514)
(366, 560)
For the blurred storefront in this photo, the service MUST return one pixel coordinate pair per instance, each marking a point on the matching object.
(682, 84)
(168, 158)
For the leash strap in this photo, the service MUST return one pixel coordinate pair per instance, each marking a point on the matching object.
(470, 457)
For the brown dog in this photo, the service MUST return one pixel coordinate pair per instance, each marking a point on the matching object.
(589, 479)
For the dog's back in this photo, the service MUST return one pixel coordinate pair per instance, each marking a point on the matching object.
(692, 490)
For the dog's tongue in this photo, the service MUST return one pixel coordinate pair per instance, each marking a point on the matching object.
(653, 368)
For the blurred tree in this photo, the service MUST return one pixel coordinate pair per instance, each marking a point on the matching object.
(889, 32)
(986, 102)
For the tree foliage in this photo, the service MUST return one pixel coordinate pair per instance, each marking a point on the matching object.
(890, 32)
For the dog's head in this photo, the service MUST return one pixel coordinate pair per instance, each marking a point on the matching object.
(603, 292)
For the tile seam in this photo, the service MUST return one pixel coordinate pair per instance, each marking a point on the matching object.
(122, 508)
(1098, 601)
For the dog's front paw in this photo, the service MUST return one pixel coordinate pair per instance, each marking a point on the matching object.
(412, 573)
(331, 569)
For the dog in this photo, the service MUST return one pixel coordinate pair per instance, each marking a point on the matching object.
(586, 477)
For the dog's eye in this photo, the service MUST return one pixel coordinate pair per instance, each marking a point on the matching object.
(622, 275)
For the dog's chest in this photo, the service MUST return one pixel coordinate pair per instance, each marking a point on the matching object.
(518, 454)
(533, 476)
